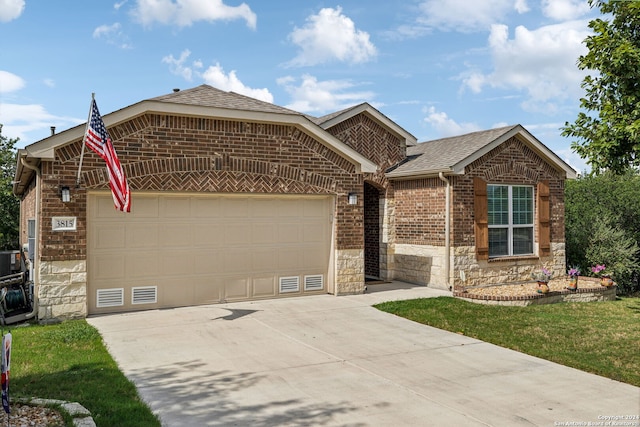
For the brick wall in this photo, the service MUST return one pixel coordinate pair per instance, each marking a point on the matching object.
(372, 230)
(373, 141)
(420, 211)
(419, 218)
(172, 153)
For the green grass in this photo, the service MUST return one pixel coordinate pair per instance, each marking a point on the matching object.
(69, 362)
(598, 337)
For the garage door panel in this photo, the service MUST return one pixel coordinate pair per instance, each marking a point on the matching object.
(108, 266)
(142, 265)
(236, 208)
(208, 235)
(208, 262)
(236, 288)
(142, 207)
(141, 236)
(176, 235)
(289, 232)
(263, 286)
(289, 259)
(314, 233)
(207, 289)
(263, 233)
(200, 249)
(176, 262)
(207, 207)
(314, 258)
(235, 261)
(291, 208)
(264, 208)
(109, 237)
(176, 207)
(262, 260)
(237, 234)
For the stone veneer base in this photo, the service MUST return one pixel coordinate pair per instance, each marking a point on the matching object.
(579, 295)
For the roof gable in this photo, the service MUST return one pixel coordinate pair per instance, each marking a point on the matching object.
(452, 155)
(333, 119)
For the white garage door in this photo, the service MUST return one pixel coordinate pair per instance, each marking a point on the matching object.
(186, 249)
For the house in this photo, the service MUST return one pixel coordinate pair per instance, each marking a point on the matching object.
(236, 199)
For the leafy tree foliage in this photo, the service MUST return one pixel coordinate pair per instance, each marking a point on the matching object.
(9, 204)
(602, 218)
(608, 133)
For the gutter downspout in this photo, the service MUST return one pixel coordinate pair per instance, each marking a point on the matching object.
(36, 274)
(447, 230)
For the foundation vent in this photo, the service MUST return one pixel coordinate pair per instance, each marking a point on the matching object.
(314, 283)
(144, 295)
(110, 297)
(289, 284)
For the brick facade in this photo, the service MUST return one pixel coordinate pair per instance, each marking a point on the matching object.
(420, 221)
(395, 231)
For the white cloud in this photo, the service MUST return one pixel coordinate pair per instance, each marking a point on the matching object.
(113, 35)
(9, 82)
(330, 36)
(564, 10)
(465, 15)
(313, 96)
(180, 67)
(541, 62)
(446, 126)
(18, 120)
(184, 13)
(118, 5)
(215, 76)
(521, 6)
(10, 9)
(49, 83)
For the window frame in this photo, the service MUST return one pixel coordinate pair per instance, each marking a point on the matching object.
(510, 226)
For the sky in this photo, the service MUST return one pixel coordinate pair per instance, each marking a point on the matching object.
(437, 68)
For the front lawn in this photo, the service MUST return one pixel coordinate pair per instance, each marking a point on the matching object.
(69, 362)
(598, 337)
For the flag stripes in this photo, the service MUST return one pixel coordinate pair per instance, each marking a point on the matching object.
(97, 138)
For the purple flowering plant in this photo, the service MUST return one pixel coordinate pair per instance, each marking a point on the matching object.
(599, 269)
(544, 275)
(574, 271)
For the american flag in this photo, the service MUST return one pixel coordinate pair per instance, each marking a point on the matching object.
(97, 138)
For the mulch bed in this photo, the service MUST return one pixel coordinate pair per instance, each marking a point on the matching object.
(531, 288)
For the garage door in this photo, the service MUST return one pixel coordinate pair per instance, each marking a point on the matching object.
(186, 249)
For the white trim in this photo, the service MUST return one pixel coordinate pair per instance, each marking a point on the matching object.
(510, 226)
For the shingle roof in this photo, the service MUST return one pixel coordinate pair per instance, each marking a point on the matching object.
(209, 96)
(444, 154)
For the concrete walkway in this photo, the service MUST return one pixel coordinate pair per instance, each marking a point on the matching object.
(337, 361)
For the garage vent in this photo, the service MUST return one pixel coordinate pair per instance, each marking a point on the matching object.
(144, 295)
(289, 284)
(110, 297)
(314, 283)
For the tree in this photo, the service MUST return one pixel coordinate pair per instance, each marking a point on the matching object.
(608, 133)
(9, 203)
(602, 221)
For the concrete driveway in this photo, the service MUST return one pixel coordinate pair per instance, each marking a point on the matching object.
(337, 361)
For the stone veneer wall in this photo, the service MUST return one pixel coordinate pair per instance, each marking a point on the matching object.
(350, 264)
(420, 264)
(62, 291)
(505, 270)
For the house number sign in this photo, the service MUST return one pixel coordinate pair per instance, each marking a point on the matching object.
(63, 223)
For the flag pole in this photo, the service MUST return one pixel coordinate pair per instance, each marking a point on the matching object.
(93, 97)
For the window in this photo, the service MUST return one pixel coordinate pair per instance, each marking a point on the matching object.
(510, 219)
(31, 238)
